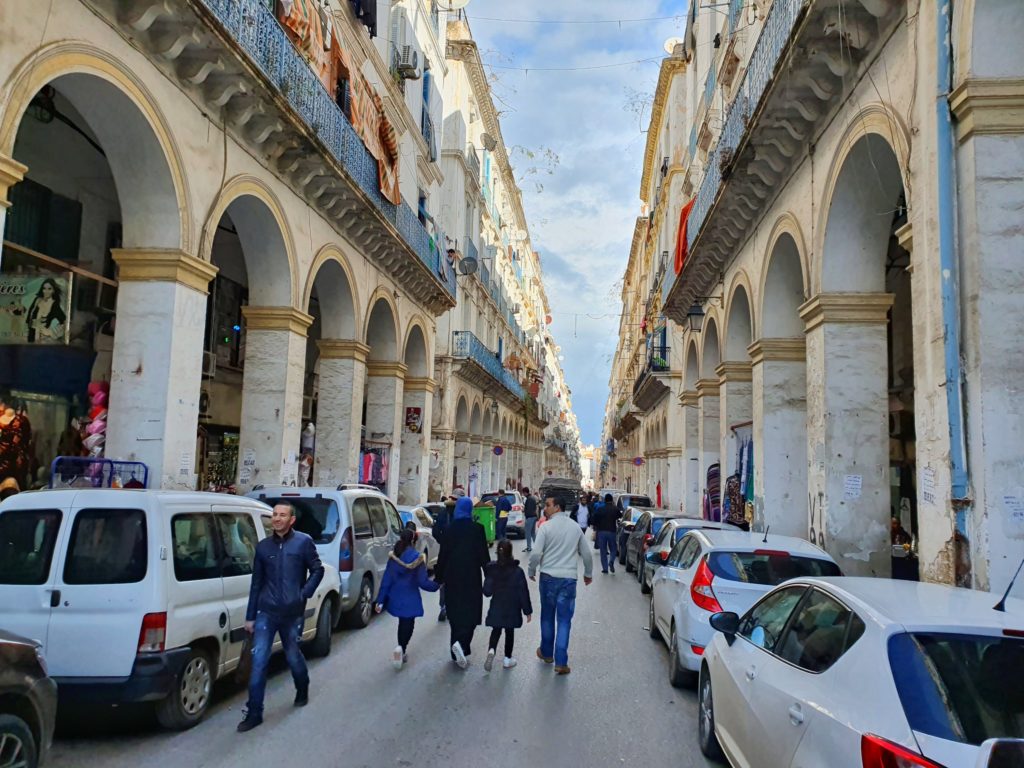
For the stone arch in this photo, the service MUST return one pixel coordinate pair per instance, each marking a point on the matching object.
(476, 419)
(264, 234)
(418, 324)
(337, 291)
(417, 353)
(381, 332)
(691, 365)
(462, 414)
(784, 282)
(151, 185)
(739, 328)
(988, 38)
(711, 346)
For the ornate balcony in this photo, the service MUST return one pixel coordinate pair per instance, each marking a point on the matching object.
(482, 368)
(653, 382)
(233, 58)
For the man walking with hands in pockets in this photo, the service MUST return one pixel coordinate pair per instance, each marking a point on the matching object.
(559, 544)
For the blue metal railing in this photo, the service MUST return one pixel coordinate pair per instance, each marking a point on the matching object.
(485, 275)
(735, 7)
(469, 346)
(257, 31)
(471, 251)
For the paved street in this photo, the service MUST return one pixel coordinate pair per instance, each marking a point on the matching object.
(616, 708)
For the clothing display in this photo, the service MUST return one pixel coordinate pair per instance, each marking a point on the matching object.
(373, 466)
(713, 494)
(15, 442)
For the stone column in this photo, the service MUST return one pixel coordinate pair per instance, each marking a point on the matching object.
(486, 462)
(11, 172)
(384, 414)
(462, 448)
(736, 407)
(848, 429)
(414, 469)
(672, 483)
(443, 442)
(339, 411)
(709, 430)
(275, 364)
(692, 482)
(157, 363)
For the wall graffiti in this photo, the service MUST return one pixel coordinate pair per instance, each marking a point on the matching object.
(816, 519)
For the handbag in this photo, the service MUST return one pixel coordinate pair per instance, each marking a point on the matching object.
(244, 668)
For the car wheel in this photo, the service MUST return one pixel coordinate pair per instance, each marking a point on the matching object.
(645, 585)
(622, 555)
(320, 645)
(361, 612)
(652, 623)
(17, 745)
(188, 700)
(678, 675)
(706, 718)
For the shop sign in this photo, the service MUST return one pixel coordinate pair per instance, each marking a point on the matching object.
(35, 309)
(414, 419)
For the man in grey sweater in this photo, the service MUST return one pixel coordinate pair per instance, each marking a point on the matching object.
(559, 544)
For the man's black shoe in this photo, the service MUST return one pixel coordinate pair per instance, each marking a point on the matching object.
(302, 697)
(250, 721)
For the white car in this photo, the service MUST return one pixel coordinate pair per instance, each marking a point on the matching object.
(709, 571)
(865, 673)
(425, 541)
(516, 518)
(139, 595)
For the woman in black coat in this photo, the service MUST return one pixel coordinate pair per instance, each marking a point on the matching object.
(460, 567)
(505, 583)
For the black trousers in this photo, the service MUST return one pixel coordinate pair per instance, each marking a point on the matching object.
(462, 635)
(510, 640)
(405, 628)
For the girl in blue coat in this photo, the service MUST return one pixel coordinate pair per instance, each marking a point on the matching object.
(404, 577)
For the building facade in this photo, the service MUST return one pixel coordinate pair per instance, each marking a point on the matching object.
(837, 228)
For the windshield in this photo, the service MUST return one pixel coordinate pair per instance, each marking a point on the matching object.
(318, 518)
(768, 568)
(657, 523)
(964, 688)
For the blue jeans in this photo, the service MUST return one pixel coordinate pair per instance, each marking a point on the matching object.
(609, 549)
(557, 602)
(531, 529)
(290, 630)
(499, 529)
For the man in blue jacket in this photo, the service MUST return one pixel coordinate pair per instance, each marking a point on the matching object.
(285, 573)
(502, 508)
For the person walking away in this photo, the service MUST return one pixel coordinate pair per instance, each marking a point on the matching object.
(583, 513)
(441, 523)
(404, 577)
(605, 521)
(502, 508)
(560, 546)
(505, 583)
(286, 571)
(460, 568)
(529, 518)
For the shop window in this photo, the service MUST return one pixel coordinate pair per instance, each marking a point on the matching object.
(44, 221)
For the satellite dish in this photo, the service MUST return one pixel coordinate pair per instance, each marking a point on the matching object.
(467, 265)
(488, 141)
(453, 5)
(671, 43)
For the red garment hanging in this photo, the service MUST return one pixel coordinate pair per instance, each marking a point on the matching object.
(684, 216)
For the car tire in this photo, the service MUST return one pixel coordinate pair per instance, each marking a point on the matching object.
(678, 675)
(189, 699)
(19, 743)
(362, 611)
(653, 630)
(629, 567)
(706, 737)
(320, 645)
(622, 555)
(645, 586)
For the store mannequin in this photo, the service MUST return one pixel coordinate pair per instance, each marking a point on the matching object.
(15, 441)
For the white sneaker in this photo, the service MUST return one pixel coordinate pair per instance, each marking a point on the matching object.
(397, 657)
(490, 660)
(509, 662)
(460, 657)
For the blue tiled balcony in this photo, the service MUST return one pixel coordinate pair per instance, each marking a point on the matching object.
(467, 345)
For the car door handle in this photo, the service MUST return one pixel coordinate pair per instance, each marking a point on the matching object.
(223, 620)
(54, 598)
(751, 673)
(796, 715)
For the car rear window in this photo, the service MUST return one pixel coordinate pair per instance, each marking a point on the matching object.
(27, 538)
(316, 517)
(961, 687)
(638, 501)
(768, 568)
(657, 523)
(108, 546)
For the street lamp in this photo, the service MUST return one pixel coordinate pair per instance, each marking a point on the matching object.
(695, 317)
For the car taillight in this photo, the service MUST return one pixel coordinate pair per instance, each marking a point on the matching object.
(648, 538)
(876, 752)
(698, 650)
(664, 555)
(346, 555)
(153, 634)
(701, 592)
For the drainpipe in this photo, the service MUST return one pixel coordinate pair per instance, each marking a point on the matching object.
(948, 262)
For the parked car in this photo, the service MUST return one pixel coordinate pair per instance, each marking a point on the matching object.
(672, 531)
(625, 527)
(709, 571)
(566, 489)
(854, 672)
(648, 525)
(516, 519)
(425, 541)
(355, 527)
(28, 702)
(134, 592)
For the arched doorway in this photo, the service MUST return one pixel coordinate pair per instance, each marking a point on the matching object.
(417, 416)
(736, 406)
(460, 473)
(690, 418)
(380, 450)
(709, 424)
(476, 487)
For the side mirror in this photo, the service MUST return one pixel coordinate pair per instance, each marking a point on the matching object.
(1000, 753)
(654, 558)
(726, 622)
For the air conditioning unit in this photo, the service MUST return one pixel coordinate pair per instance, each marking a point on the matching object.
(409, 63)
(209, 365)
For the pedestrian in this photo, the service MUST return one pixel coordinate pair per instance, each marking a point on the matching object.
(583, 513)
(559, 544)
(404, 577)
(286, 571)
(502, 508)
(460, 568)
(605, 522)
(441, 522)
(529, 518)
(505, 583)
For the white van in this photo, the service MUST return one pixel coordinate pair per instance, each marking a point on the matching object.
(139, 595)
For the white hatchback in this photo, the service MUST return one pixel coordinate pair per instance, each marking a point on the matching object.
(865, 673)
(709, 571)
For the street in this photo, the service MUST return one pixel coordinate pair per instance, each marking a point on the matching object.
(616, 708)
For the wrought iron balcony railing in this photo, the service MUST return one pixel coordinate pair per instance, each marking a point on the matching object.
(467, 345)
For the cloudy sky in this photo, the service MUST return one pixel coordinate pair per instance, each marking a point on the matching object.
(581, 222)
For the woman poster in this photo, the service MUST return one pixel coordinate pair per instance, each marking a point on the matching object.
(46, 316)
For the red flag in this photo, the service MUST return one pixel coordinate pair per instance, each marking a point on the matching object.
(684, 216)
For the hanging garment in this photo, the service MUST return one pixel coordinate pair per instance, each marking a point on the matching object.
(715, 492)
(733, 501)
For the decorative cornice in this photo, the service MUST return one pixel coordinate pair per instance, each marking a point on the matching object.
(793, 350)
(673, 452)
(689, 398)
(11, 172)
(276, 319)
(382, 368)
(442, 434)
(163, 265)
(847, 308)
(988, 106)
(670, 66)
(707, 388)
(905, 237)
(462, 437)
(734, 371)
(420, 384)
(343, 349)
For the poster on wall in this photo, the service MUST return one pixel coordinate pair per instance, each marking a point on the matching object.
(34, 309)
(414, 419)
